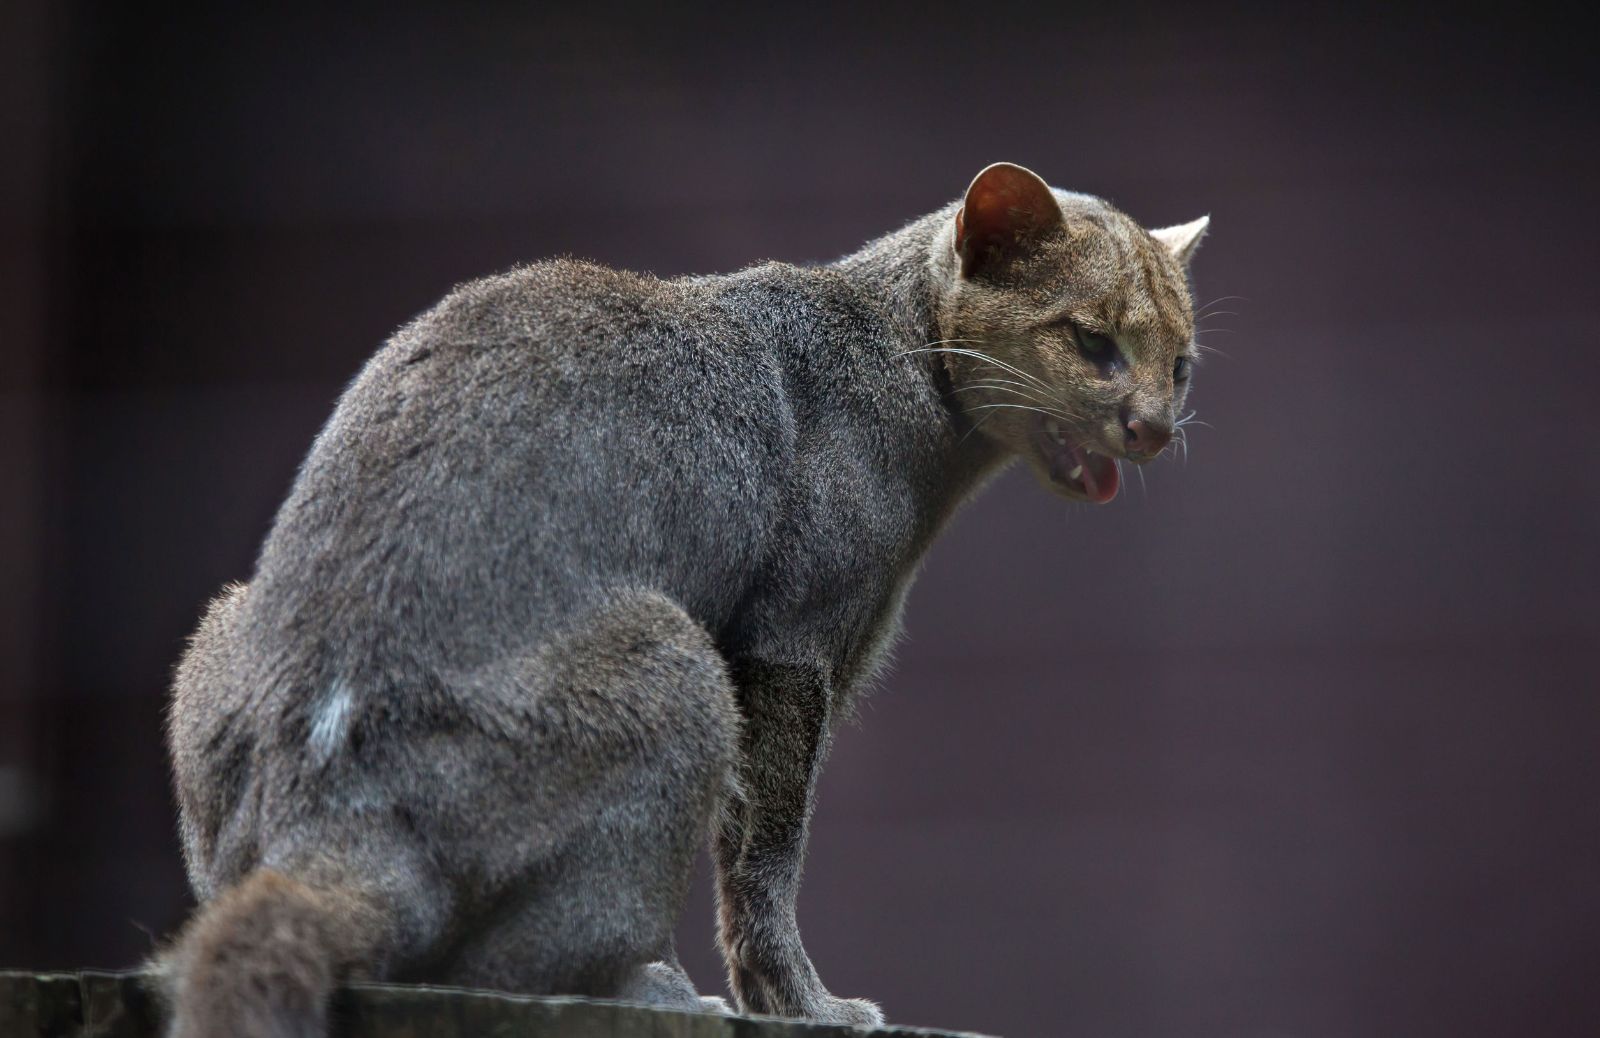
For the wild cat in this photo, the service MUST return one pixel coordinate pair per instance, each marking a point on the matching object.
(582, 571)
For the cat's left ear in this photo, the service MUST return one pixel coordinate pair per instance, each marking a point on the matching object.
(1184, 239)
(1006, 207)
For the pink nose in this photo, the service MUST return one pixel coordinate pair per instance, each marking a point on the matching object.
(1146, 439)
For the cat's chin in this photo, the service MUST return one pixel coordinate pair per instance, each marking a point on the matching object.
(1072, 469)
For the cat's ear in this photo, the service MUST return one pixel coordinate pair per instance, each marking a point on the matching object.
(1005, 207)
(1183, 239)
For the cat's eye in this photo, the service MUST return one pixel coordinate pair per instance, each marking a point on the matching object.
(1096, 347)
(1180, 370)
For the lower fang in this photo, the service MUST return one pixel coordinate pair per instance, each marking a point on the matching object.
(1075, 473)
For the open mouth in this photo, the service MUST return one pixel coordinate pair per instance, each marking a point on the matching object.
(1077, 468)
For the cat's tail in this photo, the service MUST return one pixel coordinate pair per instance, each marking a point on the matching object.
(262, 959)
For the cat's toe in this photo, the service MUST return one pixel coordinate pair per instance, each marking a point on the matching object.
(854, 1012)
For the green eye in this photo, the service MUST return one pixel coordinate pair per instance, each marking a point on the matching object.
(1180, 370)
(1095, 346)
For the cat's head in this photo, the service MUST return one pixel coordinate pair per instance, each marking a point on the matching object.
(1068, 328)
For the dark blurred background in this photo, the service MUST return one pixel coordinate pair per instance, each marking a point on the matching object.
(1301, 740)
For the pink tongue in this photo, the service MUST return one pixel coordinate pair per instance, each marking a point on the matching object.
(1099, 475)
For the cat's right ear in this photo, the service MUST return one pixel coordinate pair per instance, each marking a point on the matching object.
(1006, 207)
(1183, 239)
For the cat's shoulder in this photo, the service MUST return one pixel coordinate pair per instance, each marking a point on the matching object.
(780, 278)
(552, 287)
(787, 291)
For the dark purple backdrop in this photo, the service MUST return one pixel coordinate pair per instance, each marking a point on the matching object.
(1299, 741)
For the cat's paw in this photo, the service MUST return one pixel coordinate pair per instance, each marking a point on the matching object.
(854, 1012)
(715, 1004)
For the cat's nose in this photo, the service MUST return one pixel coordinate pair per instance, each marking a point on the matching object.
(1144, 439)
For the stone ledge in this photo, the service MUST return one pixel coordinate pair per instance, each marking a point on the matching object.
(94, 1004)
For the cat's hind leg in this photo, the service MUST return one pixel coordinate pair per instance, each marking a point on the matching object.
(664, 983)
(620, 737)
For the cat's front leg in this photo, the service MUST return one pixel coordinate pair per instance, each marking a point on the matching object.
(761, 844)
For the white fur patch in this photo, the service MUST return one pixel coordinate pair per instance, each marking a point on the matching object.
(331, 724)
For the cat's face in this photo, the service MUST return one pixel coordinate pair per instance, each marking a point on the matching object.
(1070, 328)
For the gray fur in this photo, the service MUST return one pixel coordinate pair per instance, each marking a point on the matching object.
(580, 575)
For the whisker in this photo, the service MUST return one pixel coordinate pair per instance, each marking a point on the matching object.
(1018, 407)
(975, 427)
(1223, 299)
(1003, 385)
(1205, 313)
(941, 342)
(1007, 386)
(1036, 384)
(1049, 395)
(1042, 404)
(980, 355)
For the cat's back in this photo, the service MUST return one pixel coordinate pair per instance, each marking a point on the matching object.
(554, 428)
